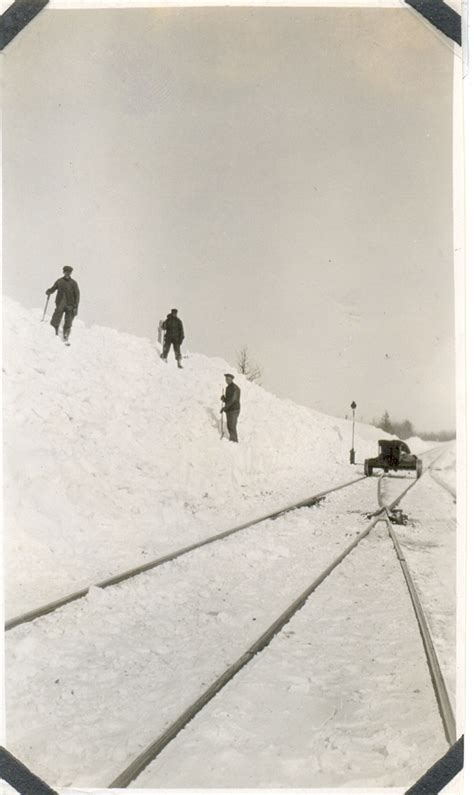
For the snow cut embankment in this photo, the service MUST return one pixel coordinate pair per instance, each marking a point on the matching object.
(113, 457)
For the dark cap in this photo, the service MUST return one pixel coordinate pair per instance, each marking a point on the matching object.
(228, 375)
(67, 269)
(174, 311)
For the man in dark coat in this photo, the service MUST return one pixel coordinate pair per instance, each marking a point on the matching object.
(231, 406)
(174, 336)
(67, 301)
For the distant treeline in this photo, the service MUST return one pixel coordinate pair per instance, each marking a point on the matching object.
(405, 430)
(441, 436)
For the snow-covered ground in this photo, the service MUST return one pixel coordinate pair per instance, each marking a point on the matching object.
(113, 458)
(445, 469)
(335, 701)
(429, 546)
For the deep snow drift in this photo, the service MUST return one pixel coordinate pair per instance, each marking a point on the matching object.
(113, 457)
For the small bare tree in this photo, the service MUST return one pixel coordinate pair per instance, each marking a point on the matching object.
(245, 366)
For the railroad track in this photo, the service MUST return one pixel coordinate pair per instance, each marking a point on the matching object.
(50, 607)
(383, 513)
(444, 485)
(122, 576)
(439, 686)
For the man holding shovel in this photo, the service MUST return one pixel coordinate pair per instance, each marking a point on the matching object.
(231, 407)
(67, 301)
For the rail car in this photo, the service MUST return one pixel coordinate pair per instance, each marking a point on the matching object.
(393, 455)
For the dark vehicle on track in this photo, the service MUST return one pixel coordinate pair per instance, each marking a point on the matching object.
(393, 455)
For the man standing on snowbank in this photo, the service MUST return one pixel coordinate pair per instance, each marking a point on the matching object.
(231, 406)
(174, 336)
(67, 301)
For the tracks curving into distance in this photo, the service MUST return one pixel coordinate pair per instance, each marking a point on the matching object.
(138, 765)
(50, 607)
(444, 485)
(147, 756)
(439, 686)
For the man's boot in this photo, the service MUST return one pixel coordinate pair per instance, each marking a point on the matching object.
(179, 364)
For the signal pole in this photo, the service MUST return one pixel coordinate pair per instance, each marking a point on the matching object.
(352, 451)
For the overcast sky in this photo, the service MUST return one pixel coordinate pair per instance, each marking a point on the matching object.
(282, 176)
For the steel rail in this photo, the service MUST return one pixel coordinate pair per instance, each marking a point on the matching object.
(144, 759)
(410, 486)
(397, 500)
(436, 478)
(154, 749)
(432, 450)
(50, 607)
(444, 485)
(442, 698)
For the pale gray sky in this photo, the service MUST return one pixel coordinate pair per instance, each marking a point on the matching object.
(282, 176)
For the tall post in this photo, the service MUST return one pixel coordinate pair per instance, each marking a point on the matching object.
(352, 451)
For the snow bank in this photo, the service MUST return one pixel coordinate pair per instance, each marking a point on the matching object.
(419, 446)
(113, 456)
